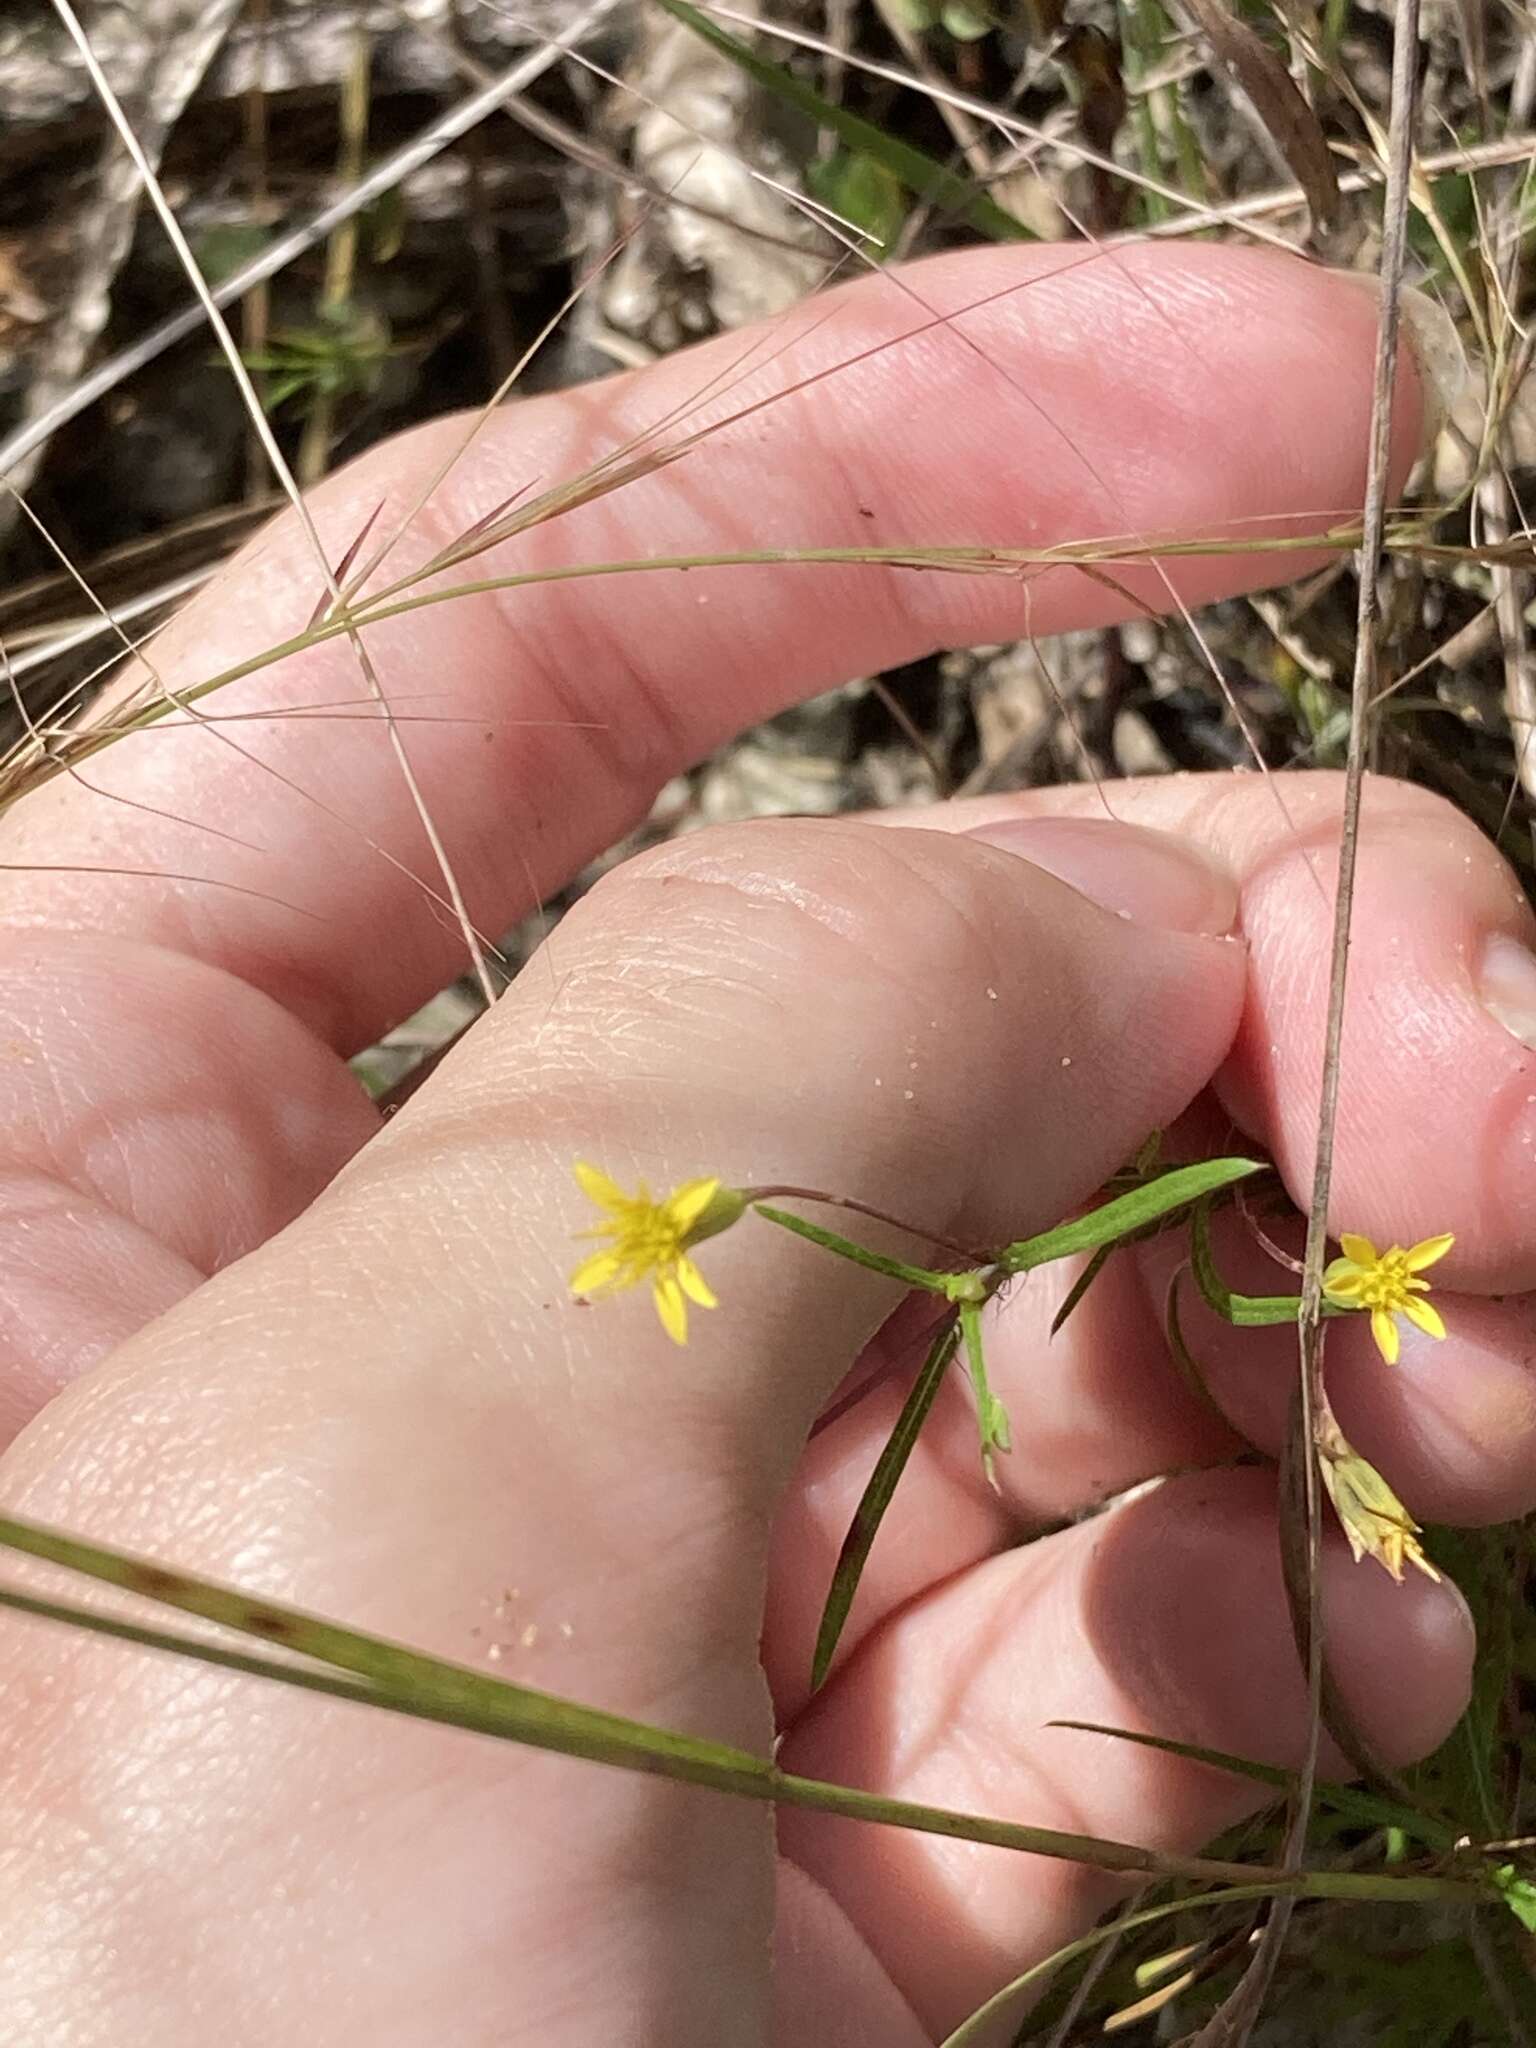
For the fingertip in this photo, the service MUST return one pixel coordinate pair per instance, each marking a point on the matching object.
(1401, 1656)
(1436, 1125)
(1189, 1592)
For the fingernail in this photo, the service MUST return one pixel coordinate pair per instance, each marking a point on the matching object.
(1430, 334)
(1506, 985)
(1141, 875)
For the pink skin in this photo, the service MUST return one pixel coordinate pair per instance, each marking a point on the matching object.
(383, 1406)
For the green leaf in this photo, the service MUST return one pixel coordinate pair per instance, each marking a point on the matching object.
(1474, 1765)
(1366, 1809)
(918, 172)
(1131, 1212)
(1178, 1350)
(1246, 1311)
(876, 1498)
(1518, 1893)
(965, 23)
(862, 192)
(1081, 1285)
(859, 1255)
(371, 1671)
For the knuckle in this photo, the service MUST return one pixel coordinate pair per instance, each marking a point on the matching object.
(782, 902)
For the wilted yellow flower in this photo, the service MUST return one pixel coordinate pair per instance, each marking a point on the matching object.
(1387, 1284)
(1373, 1518)
(652, 1240)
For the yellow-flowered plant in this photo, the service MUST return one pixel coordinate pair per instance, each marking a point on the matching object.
(1388, 1285)
(652, 1240)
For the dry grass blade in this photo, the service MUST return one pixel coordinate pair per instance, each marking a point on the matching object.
(1278, 102)
(262, 426)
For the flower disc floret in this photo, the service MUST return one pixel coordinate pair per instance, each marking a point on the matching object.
(652, 1240)
(1387, 1284)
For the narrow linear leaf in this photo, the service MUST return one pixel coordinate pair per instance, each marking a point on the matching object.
(1488, 1567)
(1246, 1311)
(1185, 1362)
(1081, 1285)
(918, 172)
(856, 1254)
(1278, 102)
(876, 1498)
(980, 2026)
(1366, 1808)
(422, 1687)
(1115, 1220)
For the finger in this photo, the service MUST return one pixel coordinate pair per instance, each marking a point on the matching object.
(1437, 1112)
(1164, 1616)
(1076, 367)
(393, 1413)
(993, 398)
(159, 1119)
(947, 1521)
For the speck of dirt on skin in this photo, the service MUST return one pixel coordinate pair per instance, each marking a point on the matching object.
(907, 1094)
(494, 1653)
(1066, 1059)
(991, 995)
(529, 1636)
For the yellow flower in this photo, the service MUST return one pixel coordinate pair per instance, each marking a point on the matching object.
(652, 1240)
(1387, 1284)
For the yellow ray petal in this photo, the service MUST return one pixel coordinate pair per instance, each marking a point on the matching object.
(1427, 1250)
(694, 1285)
(1384, 1330)
(597, 1187)
(1424, 1317)
(1360, 1249)
(671, 1307)
(602, 1270)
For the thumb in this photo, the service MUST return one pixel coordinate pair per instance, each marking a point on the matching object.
(395, 1413)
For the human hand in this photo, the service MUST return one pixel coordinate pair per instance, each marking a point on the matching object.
(384, 1405)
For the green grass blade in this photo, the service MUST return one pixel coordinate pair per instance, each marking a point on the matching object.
(876, 1498)
(919, 173)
